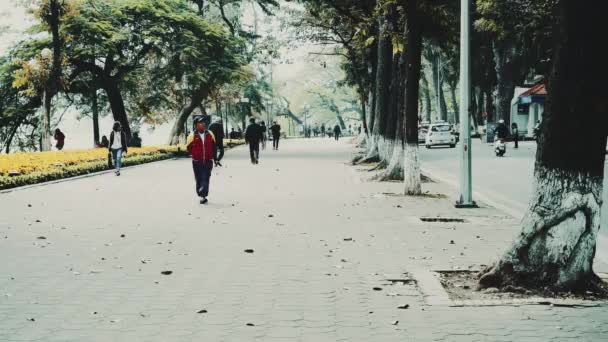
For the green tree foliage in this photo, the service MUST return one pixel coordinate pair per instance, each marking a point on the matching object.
(518, 34)
(19, 102)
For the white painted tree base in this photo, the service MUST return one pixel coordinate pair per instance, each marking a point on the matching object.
(411, 170)
(556, 246)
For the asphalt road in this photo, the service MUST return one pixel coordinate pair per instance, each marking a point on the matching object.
(505, 183)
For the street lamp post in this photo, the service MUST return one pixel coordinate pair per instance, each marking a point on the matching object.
(466, 188)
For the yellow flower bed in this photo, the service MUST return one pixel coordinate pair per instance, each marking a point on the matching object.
(21, 169)
(26, 163)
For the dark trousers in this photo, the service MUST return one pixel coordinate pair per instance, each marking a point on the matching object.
(275, 142)
(202, 174)
(516, 140)
(219, 152)
(254, 151)
(337, 136)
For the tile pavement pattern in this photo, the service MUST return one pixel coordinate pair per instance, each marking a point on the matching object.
(82, 260)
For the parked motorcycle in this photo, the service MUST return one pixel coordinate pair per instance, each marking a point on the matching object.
(500, 147)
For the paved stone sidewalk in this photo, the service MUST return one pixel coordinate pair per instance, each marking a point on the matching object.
(323, 239)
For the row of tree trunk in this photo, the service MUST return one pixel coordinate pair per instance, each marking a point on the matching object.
(393, 105)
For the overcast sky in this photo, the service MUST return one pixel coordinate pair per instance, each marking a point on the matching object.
(14, 18)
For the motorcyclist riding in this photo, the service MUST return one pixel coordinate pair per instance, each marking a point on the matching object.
(502, 132)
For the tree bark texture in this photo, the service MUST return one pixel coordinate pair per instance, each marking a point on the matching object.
(177, 132)
(506, 58)
(413, 65)
(383, 75)
(556, 246)
(117, 105)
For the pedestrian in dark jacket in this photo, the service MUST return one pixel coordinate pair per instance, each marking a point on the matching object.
(218, 131)
(201, 144)
(515, 133)
(60, 138)
(264, 134)
(135, 140)
(105, 143)
(337, 132)
(275, 129)
(253, 137)
(502, 132)
(118, 145)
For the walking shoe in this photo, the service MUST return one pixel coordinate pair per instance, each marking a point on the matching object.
(204, 200)
(117, 173)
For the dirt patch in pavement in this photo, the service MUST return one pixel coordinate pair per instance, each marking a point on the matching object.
(462, 286)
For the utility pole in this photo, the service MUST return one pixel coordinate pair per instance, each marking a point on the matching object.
(438, 90)
(466, 188)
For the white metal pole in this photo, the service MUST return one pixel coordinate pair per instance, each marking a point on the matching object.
(466, 196)
(438, 89)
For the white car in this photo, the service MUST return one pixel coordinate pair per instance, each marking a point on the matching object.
(440, 134)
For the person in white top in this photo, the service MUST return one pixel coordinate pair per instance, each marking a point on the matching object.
(117, 146)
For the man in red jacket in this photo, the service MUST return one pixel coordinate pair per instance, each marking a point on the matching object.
(201, 144)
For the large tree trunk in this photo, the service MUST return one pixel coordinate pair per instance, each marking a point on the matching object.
(455, 106)
(394, 169)
(489, 106)
(413, 37)
(45, 120)
(437, 86)
(117, 105)
(363, 100)
(505, 57)
(95, 109)
(372, 154)
(383, 79)
(427, 99)
(556, 246)
(442, 102)
(177, 134)
(53, 19)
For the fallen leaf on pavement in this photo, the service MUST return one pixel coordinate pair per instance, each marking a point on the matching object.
(249, 251)
(202, 311)
(41, 238)
(250, 325)
(395, 323)
(403, 307)
(166, 272)
(377, 289)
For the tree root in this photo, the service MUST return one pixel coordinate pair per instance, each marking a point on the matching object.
(369, 160)
(356, 159)
(381, 166)
(507, 280)
(389, 176)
